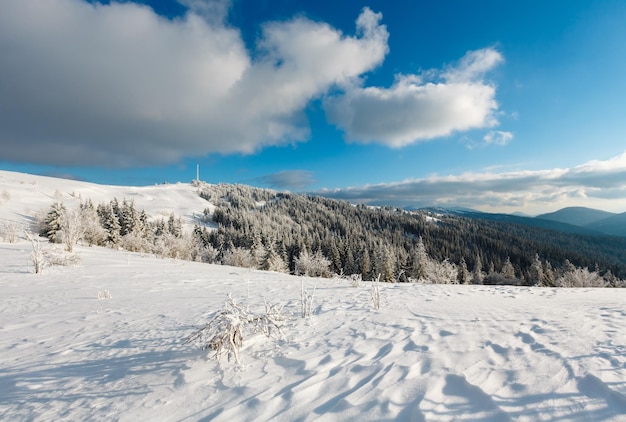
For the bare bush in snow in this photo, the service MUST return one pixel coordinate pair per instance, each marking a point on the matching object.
(312, 265)
(375, 292)
(9, 232)
(306, 300)
(225, 332)
(239, 257)
(104, 294)
(356, 280)
(444, 272)
(580, 277)
(59, 258)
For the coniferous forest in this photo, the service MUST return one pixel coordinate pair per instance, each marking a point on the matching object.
(311, 235)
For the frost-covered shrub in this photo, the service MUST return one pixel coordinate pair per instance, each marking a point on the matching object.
(442, 272)
(56, 257)
(306, 300)
(8, 232)
(206, 253)
(315, 265)
(225, 332)
(356, 280)
(171, 246)
(104, 294)
(438, 273)
(239, 257)
(580, 277)
(136, 242)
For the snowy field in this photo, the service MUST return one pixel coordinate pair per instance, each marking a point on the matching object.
(432, 352)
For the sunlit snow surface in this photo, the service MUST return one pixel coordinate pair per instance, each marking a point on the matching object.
(432, 352)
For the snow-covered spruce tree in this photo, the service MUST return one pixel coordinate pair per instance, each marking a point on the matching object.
(463, 275)
(477, 274)
(366, 264)
(536, 271)
(110, 223)
(420, 260)
(385, 265)
(93, 233)
(174, 226)
(273, 261)
(53, 224)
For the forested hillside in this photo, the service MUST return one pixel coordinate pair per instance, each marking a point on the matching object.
(391, 242)
(310, 235)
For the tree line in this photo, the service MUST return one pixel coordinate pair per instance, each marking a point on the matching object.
(316, 236)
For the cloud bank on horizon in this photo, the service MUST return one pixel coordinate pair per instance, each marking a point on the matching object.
(117, 85)
(595, 183)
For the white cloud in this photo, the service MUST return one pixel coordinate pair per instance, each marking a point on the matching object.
(117, 85)
(497, 137)
(596, 184)
(413, 109)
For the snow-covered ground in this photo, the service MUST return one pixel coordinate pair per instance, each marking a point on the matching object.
(22, 196)
(432, 352)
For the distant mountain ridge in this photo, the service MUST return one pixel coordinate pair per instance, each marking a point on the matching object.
(577, 216)
(536, 222)
(592, 219)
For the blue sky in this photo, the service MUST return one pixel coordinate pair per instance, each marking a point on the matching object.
(501, 106)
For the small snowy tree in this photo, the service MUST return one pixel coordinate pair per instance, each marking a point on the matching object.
(37, 254)
(463, 275)
(53, 222)
(71, 228)
(477, 274)
(420, 260)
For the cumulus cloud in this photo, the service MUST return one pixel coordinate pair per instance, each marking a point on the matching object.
(420, 107)
(596, 184)
(288, 179)
(117, 85)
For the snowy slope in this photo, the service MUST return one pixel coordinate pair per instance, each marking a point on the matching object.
(22, 196)
(432, 352)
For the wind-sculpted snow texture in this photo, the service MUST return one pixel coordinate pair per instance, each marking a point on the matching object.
(432, 352)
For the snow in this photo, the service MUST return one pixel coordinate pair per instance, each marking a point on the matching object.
(22, 196)
(432, 352)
